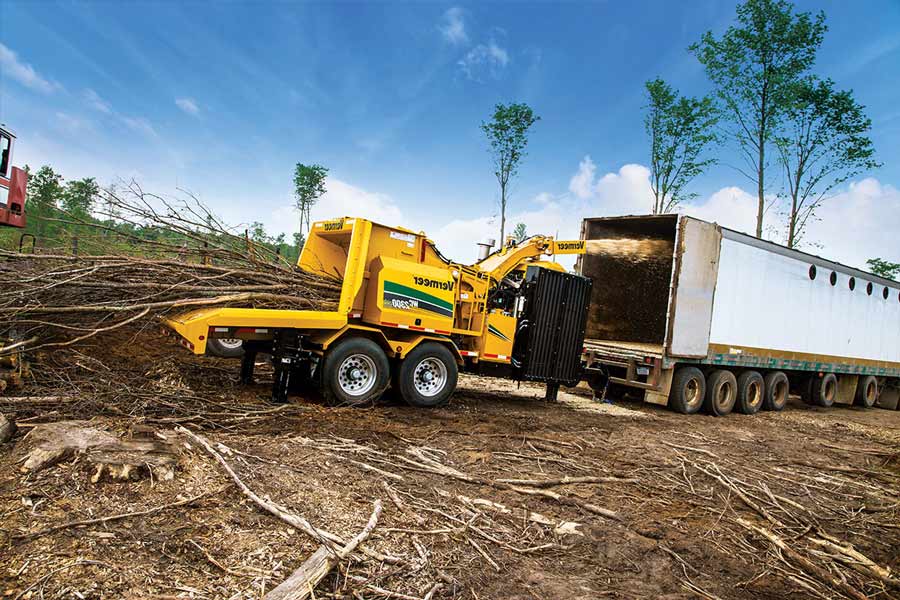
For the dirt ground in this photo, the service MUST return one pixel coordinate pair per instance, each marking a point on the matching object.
(801, 504)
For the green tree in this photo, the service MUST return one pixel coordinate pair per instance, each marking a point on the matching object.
(507, 133)
(79, 196)
(520, 232)
(822, 143)
(753, 66)
(44, 193)
(883, 268)
(679, 129)
(309, 185)
(257, 233)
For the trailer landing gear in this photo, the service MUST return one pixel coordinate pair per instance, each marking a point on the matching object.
(248, 362)
(552, 391)
(292, 364)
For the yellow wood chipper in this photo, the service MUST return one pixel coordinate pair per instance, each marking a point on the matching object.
(409, 319)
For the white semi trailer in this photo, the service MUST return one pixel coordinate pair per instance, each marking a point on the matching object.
(697, 316)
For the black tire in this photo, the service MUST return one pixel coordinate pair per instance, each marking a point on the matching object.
(822, 390)
(721, 393)
(599, 383)
(866, 391)
(225, 348)
(750, 392)
(777, 390)
(437, 363)
(688, 390)
(356, 371)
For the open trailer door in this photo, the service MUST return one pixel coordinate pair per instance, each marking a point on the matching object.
(693, 289)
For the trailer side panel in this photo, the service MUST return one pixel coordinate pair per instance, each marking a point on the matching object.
(802, 313)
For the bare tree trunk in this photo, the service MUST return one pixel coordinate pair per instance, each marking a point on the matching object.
(502, 214)
(792, 225)
(760, 186)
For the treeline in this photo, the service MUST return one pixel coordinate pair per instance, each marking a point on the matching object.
(80, 217)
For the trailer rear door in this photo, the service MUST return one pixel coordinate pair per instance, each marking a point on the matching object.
(691, 301)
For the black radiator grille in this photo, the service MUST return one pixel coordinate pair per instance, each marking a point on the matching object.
(553, 322)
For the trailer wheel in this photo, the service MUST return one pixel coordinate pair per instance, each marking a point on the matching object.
(777, 390)
(225, 347)
(688, 390)
(750, 392)
(867, 391)
(822, 390)
(428, 375)
(356, 371)
(721, 392)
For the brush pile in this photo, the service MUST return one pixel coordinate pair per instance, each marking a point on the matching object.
(90, 323)
(56, 300)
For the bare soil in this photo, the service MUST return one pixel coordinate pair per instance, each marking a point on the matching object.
(694, 496)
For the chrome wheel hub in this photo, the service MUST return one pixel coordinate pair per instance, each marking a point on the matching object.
(357, 375)
(430, 377)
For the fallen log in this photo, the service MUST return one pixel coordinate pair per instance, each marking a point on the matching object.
(304, 580)
(107, 519)
(431, 465)
(804, 563)
(320, 535)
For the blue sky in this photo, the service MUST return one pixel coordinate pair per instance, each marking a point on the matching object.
(223, 98)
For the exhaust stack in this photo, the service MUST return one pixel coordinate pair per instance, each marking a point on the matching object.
(484, 248)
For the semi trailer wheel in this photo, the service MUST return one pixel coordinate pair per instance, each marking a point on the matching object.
(822, 390)
(777, 390)
(688, 390)
(225, 347)
(356, 371)
(866, 391)
(721, 392)
(750, 392)
(428, 375)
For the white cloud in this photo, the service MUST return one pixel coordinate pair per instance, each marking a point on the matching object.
(96, 102)
(344, 199)
(140, 125)
(582, 181)
(626, 191)
(483, 59)
(137, 124)
(188, 105)
(341, 199)
(453, 26)
(858, 223)
(457, 240)
(730, 207)
(12, 67)
(71, 124)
